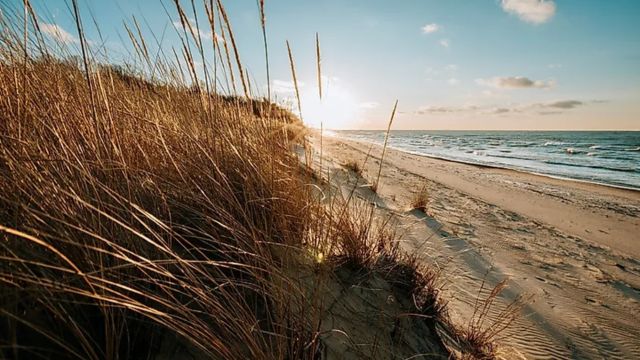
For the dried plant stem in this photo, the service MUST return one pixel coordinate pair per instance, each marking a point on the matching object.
(295, 85)
(384, 147)
(235, 48)
(319, 68)
(227, 55)
(263, 23)
(292, 66)
(87, 70)
(208, 9)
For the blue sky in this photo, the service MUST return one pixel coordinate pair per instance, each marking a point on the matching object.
(454, 64)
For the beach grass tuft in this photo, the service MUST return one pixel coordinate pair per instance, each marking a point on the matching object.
(354, 166)
(420, 200)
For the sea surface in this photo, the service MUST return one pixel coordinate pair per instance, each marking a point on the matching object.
(604, 157)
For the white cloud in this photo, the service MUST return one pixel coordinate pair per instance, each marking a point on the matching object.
(430, 28)
(203, 34)
(555, 66)
(445, 43)
(566, 104)
(430, 109)
(453, 81)
(501, 110)
(548, 108)
(532, 11)
(58, 33)
(285, 87)
(369, 105)
(515, 82)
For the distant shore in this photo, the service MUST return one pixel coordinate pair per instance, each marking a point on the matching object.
(499, 154)
(505, 167)
(570, 244)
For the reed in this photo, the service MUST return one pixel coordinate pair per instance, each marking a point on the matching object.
(319, 73)
(263, 25)
(292, 66)
(223, 13)
(374, 187)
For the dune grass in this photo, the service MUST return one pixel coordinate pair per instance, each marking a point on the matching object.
(420, 200)
(354, 166)
(151, 215)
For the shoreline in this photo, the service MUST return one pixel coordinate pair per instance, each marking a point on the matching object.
(522, 195)
(489, 166)
(556, 177)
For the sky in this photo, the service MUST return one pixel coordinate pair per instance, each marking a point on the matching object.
(451, 64)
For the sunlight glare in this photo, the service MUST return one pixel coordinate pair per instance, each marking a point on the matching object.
(337, 110)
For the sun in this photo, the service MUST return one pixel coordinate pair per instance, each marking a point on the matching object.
(337, 110)
(332, 113)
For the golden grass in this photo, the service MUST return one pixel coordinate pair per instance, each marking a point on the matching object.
(152, 208)
(130, 210)
(375, 185)
(420, 200)
(137, 212)
(478, 338)
(354, 166)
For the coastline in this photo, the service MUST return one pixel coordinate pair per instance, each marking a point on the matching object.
(569, 244)
(337, 135)
(600, 232)
(496, 166)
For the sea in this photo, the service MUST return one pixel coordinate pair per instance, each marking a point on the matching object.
(605, 157)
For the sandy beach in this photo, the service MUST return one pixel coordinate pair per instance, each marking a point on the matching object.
(570, 248)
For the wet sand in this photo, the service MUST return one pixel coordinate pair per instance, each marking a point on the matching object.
(572, 247)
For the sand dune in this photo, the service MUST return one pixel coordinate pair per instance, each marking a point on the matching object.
(572, 247)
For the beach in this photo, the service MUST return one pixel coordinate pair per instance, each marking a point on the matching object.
(232, 182)
(570, 249)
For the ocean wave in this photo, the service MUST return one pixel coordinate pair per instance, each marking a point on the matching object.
(516, 157)
(606, 158)
(521, 144)
(614, 147)
(617, 156)
(603, 167)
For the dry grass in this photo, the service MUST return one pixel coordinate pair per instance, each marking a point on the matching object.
(420, 200)
(145, 215)
(480, 335)
(375, 186)
(136, 211)
(354, 166)
(141, 218)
